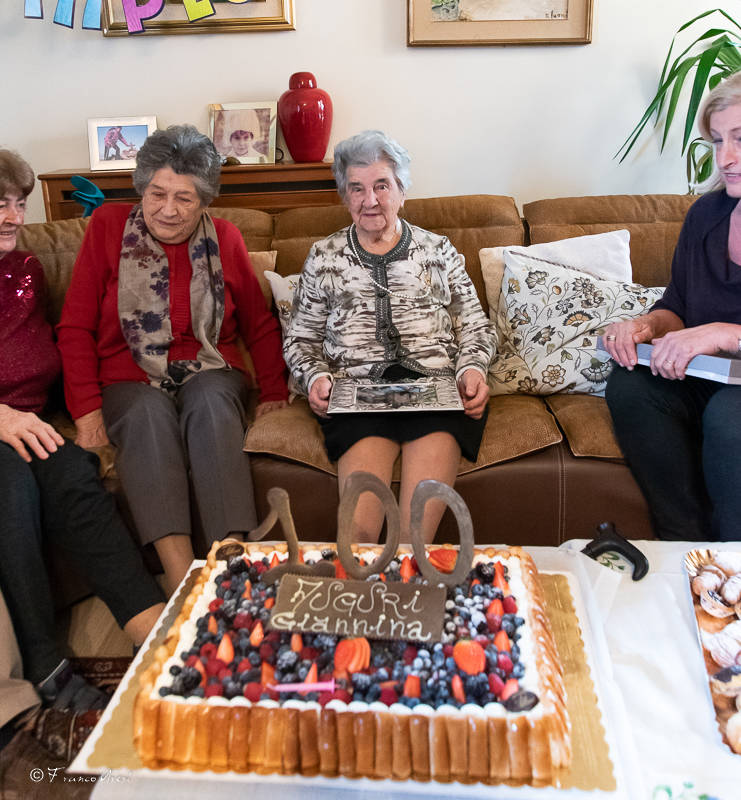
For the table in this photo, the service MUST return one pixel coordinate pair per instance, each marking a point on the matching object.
(659, 706)
(267, 187)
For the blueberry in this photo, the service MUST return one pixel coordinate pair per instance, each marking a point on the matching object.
(254, 658)
(190, 677)
(198, 692)
(381, 675)
(515, 652)
(518, 670)
(373, 693)
(477, 590)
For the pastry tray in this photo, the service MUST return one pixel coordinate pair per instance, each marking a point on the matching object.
(723, 707)
(603, 765)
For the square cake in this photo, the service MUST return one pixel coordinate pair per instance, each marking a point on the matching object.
(483, 702)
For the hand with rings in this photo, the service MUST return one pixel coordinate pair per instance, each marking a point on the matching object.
(619, 339)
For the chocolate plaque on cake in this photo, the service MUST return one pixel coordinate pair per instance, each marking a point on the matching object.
(409, 611)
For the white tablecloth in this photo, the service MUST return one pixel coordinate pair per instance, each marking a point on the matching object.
(654, 684)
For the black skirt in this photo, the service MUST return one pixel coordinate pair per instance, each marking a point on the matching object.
(342, 431)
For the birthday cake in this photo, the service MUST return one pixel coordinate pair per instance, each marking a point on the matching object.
(257, 675)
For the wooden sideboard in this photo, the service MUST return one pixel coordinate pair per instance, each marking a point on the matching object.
(268, 187)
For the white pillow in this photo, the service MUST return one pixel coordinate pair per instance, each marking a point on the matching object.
(551, 317)
(283, 288)
(604, 255)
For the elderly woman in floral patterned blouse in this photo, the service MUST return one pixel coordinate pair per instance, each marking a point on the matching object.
(387, 300)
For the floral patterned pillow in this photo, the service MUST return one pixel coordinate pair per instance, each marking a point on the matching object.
(549, 318)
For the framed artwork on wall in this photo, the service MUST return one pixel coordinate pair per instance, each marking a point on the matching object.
(115, 141)
(480, 22)
(244, 131)
(124, 17)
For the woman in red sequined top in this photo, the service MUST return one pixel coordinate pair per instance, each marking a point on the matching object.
(49, 487)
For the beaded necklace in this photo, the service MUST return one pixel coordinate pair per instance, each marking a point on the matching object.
(369, 268)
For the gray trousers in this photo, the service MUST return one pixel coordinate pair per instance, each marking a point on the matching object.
(169, 442)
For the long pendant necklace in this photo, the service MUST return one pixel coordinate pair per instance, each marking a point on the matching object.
(369, 268)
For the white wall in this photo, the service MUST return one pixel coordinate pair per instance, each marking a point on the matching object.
(531, 122)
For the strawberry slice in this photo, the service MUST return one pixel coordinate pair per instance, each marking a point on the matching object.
(406, 569)
(343, 654)
(339, 570)
(198, 664)
(443, 559)
(226, 650)
(269, 602)
(496, 608)
(501, 641)
(274, 561)
(312, 676)
(412, 686)
(213, 625)
(267, 674)
(456, 687)
(297, 643)
(510, 687)
(247, 593)
(469, 656)
(257, 635)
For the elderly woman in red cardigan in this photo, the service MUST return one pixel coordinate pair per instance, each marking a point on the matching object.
(49, 487)
(160, 295)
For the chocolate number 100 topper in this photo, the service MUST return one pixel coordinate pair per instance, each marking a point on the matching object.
(357, 484)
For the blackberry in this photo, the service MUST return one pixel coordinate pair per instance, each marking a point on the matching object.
(236, 565)
(164, 691)
(325, 641)
(287, 660)
(485, 572)
(289, 677)
(191, 677)
(373, 693)
(177, 686)
(328, 554)
(232, 688)
(175, 670)
(198, 692)
(361, 682)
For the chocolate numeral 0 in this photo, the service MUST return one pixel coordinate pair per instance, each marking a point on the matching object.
(357, 484)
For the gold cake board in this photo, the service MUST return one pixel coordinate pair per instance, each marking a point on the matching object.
(591, 768)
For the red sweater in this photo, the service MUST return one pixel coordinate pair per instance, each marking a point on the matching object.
(94, 351)
(29, 360)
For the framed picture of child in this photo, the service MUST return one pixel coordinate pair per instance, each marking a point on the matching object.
(244, 132)
(115, 141)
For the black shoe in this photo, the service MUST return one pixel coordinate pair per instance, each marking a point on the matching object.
(64, 689)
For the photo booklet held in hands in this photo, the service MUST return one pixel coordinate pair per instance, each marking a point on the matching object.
(723, 368)
(352, 395)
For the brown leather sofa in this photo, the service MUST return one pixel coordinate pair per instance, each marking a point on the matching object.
(549, 468)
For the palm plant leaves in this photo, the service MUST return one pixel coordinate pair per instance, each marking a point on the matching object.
(713, 55)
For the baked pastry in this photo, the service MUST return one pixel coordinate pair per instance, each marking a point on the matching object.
(715, 579)
(486, 703)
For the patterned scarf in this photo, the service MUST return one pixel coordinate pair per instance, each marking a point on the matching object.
(144, 301)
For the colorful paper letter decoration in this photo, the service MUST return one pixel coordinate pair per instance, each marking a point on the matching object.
(135, 14)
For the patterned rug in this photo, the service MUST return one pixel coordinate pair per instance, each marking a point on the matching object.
(33, 764)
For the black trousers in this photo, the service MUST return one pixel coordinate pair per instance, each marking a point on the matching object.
(61, 500)
(682, 441)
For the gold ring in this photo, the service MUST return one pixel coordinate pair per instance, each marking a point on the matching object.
(610, 337)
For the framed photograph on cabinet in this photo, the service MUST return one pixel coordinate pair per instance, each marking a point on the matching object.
(480, 22)
(244, 131)
(213, 16)
(115, 141)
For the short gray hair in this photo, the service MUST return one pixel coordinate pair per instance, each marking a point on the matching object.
(187, 152)
(365, 149)
(16, 175)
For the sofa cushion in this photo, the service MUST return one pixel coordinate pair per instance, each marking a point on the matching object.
(550, 317)
(517, 425)
(604, 255)
(263, 261)
(470, 222)
(587, 424)
(654, 221)
(255, 226)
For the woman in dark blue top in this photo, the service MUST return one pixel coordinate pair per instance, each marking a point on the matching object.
(681, 436)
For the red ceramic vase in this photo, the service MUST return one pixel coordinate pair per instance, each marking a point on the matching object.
(305, 114)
